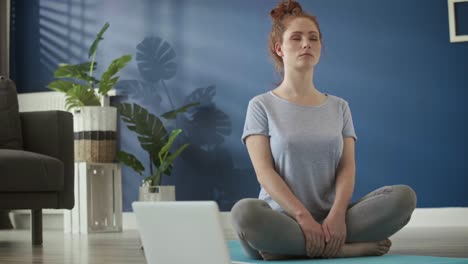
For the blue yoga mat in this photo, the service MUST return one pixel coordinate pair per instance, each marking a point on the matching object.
(238, 255)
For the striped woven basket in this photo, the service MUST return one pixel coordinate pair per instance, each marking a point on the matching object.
(95, 133)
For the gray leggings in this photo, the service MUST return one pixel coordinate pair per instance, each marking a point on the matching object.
(375, 217)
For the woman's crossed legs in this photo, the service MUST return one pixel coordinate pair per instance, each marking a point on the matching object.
(266, 233)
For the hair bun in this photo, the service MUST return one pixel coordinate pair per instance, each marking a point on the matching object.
(285, 8)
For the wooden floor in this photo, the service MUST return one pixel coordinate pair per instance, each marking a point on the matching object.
(15, 246)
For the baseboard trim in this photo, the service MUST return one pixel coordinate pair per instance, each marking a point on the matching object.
(439, 217)
(422, 217)
(52, 219)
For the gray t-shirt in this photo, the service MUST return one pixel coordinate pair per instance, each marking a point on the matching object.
(306, 144)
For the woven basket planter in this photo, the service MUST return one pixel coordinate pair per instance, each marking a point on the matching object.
(95, 133)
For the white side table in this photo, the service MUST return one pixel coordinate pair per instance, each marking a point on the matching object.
(98, 199)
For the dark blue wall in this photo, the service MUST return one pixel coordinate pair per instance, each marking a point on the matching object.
(391, 60)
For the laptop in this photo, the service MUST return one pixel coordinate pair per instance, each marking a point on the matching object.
(181, 232)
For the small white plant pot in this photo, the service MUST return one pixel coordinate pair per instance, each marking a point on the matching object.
(157, 193)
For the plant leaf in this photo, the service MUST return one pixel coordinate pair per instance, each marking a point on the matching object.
(99, 37)
(173, 114)
(84, 67)
(165, 163)
(172, 157)
(60, 86)
(80, 95)
(125, 111)
(68, 71)
(165, 158)
(107, 82)
(150, 130)
(157, 163)
(163, 166)
(131, 161)
(73, 71)
(167, 146)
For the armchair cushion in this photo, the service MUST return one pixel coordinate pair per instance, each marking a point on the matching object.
(24, 171)
(51, 133)
(10, 124)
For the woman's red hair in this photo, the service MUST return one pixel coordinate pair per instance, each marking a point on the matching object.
(281, 15)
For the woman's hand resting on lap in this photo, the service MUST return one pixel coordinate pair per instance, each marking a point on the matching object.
(314, 236)
(334, 229)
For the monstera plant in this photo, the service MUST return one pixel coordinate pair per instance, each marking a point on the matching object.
(95, 123)
(78, 83)
(205, 126)
(153, 139)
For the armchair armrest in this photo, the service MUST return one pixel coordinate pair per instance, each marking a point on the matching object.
(51, 133)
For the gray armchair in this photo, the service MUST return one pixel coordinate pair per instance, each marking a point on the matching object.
(40, 173)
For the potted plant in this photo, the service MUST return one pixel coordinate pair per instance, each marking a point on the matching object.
(155, 140)
(95, 122)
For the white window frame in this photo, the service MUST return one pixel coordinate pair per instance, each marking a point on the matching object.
(452, 25)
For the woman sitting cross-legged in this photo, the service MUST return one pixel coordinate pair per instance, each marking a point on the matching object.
(301, 144)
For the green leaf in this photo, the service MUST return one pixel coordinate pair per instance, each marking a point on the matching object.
(107, 82)
(84, 67)
(163, 166)
(60, 86)
(68, 71)
(167, 162)
(93, 48)
(125, 111)
(157, 162)
(153, 138)
(173, 114)
(172, 157)
(73, 71)
(80, 95)
(165, 158)
(150, 130)
(130, 161)
(165, 149)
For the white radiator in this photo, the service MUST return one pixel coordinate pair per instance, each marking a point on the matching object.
(41, 101)
(49, 100)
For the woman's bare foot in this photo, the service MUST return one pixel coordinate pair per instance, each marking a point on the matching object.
(365, 249)
(348, 250)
